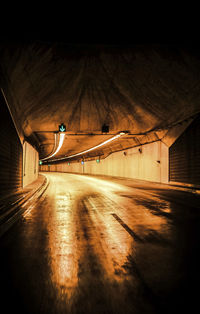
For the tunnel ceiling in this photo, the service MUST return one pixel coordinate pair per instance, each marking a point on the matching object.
(141, 89)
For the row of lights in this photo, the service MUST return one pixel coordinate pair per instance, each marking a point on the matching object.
(62, 129)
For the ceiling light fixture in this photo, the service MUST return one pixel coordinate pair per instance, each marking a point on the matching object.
(61, 140)
(93, 148)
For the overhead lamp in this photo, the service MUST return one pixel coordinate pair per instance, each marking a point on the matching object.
(105, 128)
(93, 148)
(61, 140)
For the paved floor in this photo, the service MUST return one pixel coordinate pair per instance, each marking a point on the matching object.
(102, 245)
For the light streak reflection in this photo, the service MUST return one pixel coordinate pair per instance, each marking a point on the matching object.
(116, 243)
(84, 221)
(63, 247)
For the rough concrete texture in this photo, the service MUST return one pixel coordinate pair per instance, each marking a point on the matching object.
(143, 89)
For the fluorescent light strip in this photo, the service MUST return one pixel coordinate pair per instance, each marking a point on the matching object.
(55, 145)
(95, 147)
(61, 140)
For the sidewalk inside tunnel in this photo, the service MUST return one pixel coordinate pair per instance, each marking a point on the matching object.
(12, 204)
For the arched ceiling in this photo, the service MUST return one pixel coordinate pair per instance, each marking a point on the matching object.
(141, 89)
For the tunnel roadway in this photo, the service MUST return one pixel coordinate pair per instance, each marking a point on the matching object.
(103, 245)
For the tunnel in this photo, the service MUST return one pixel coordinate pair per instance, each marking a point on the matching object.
(99, 177)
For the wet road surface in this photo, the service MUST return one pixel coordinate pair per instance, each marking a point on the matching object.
(94, 245)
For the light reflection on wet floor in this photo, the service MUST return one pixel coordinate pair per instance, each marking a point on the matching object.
(93, 246)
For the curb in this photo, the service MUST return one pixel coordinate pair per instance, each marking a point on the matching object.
(8, 219)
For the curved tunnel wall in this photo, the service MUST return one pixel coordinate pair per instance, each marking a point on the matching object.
(147, 162)
(174, 160)
(18, 163)
(184, 156)
(11, 153)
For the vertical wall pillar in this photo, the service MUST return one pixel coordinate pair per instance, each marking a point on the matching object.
(30, 163)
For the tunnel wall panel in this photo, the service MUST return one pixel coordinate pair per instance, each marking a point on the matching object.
(30, 164)
(150, 164)
(184, 156)
(11, 153)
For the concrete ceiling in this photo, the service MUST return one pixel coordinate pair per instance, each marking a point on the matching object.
(142, 89)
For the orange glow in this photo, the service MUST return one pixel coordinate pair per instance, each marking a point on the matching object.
(61, 140)
(93, 148)
(93, 213)
(116, 244)
(62, 246)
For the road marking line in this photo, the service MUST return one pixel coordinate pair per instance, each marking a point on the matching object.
(126, 227)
